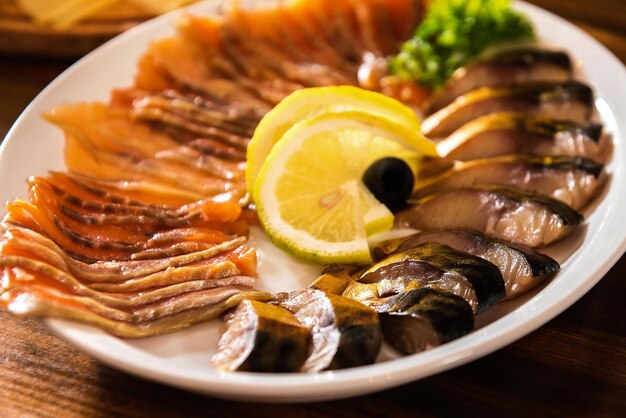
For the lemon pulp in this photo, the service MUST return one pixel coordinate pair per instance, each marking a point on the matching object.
(306, 103)
(309, 194)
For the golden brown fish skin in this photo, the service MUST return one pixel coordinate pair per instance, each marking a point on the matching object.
(511, 215)
(423, 318)
(345, 333)
(572, 101)
(437, 265)
(522, 268)
(506, 67)
(262, 338)
(513, 133)
(572, 180)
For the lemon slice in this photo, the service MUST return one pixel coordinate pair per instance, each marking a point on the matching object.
(309, 102)
(309, 194)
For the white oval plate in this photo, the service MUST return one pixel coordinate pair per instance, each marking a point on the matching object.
(33, 147)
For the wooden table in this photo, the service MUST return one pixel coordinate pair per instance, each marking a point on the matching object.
(573, 366)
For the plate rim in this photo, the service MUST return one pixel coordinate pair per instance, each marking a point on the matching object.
(365, 379)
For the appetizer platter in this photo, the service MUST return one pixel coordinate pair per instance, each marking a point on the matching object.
(141, 219)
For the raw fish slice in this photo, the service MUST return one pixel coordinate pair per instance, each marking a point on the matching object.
(85, 159)
(375, 16)
(133, 306)
(88, 248)
(343, 26)
(21, 240)
(339, 26)
(221, 70)
(246, 59)
(210, 166)
(93, 210)
(112, 130)
(234, 113)
(185, 108)
(149, 77)
(215, 148)
(147, 112)
(36, 302)
(311, 38)
(131, 192)
(115, 231)
(271, 60)
(109, 145)
(178, 57)
(405, 15)
(511, 215)
(94, 241)
(38, 280)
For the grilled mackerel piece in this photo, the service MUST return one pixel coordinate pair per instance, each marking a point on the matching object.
(423, 318)
(345, 333)
(515, 133)
(504, 68)
(572, 180)
(438, 266)
(522, 268)
(262, 338)
(572, 101)
(511, 215)
(413, 318)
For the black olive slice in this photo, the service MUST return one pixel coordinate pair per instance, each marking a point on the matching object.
(391, 181)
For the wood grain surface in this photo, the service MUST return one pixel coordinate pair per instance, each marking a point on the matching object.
(574, 366)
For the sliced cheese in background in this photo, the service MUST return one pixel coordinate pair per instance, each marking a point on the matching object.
(62, 14)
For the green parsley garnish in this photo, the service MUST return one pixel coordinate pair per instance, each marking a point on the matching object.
(454, 32)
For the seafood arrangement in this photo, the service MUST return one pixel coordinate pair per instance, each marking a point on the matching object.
(147, 231)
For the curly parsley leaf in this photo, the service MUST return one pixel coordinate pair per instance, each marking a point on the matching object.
(454, 32)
